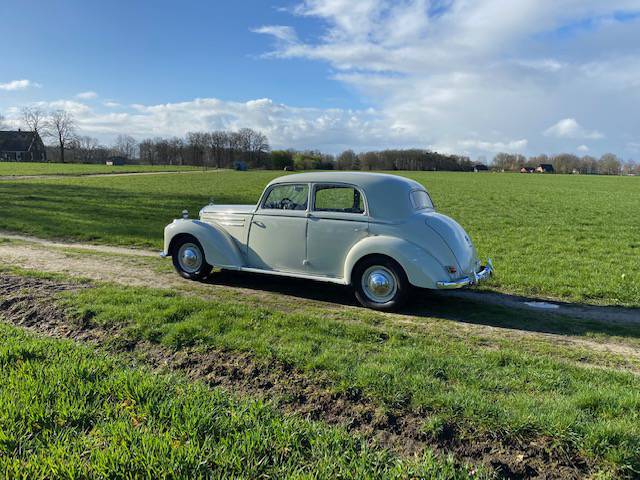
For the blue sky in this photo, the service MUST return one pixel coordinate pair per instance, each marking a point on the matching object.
(161, 51)
(467, 77)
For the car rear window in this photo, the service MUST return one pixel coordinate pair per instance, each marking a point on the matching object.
(421, 200)
(338, 198)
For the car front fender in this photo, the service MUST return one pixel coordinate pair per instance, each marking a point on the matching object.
(422, 268)
(219, 247)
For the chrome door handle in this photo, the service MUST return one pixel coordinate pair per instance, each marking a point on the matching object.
(259, 224)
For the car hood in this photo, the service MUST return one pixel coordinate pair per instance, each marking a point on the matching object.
(456, 238)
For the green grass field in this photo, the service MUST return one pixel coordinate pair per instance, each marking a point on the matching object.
(515, 389)
(67, 412)
(34, 168)
(559, 236)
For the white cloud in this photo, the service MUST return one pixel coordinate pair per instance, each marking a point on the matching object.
(570, 128)
(440, 70)
(516, 146)
(18, 85)
(281, 32)
(87, 95)
(71, 106)
(545, 64)
(329, 129)
(111, 104)
(583, 149)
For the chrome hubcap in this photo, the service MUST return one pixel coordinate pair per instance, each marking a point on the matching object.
(190, 258)
(379, 284)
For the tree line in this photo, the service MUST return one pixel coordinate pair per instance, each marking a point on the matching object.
(607, 164)
(217, 149)
(250, 148)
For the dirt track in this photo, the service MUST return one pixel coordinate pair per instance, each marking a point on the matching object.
(123, 174)
(137, 267)
(88, 175)
(41, 254)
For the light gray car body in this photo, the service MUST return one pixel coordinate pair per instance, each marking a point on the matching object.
(433, 250)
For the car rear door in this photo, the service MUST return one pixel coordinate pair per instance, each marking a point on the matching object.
(338, 219)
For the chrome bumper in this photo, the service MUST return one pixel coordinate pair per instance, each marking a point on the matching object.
(477, 277)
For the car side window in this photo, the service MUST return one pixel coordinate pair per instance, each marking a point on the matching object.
(338, 198)
(287, 197)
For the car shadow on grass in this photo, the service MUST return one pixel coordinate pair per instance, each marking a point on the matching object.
(473, 309)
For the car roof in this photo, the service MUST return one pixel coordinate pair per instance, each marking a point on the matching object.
(387, 195)
(361, 179)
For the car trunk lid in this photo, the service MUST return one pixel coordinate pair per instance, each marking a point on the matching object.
(456, 238)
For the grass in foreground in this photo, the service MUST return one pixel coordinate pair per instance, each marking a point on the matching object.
(507, 392)
(570, 237)
(66, 412)
(37, 168)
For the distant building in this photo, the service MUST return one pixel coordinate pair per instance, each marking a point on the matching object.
(527, 170)
(116, 161)
(545, 168)
(480, 167)
(21, 146)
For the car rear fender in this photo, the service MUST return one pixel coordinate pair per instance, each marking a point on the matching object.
(422, 269)
(219, 247)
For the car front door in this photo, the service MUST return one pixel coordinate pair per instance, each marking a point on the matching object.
(277, 236)
(338, 220)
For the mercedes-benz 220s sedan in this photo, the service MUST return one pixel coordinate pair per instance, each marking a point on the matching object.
(378, 233)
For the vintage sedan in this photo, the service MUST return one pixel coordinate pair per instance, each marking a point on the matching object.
(378, 233)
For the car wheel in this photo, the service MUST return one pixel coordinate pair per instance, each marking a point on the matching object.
(381, 284)
(188, 259)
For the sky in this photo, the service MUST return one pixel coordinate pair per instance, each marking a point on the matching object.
(471, 77)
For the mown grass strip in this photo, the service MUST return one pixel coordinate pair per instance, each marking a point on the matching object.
(36, 168)
(67, 412)
(506, 392)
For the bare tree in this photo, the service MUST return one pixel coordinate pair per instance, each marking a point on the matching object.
(63, 127)
(609, 164)
(2, 124)
(565, 163)
(198, 143)
(35, 120)
(126, 146)
(217, 143)
(347, 160)
(147, 151)
(258, 148)
(88, 149)
(176, 151)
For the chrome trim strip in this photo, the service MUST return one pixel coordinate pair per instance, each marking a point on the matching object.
(306, 276)
(474, 279)
(224, 219)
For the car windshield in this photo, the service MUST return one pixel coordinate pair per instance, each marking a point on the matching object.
(421, 200)
(287, 197)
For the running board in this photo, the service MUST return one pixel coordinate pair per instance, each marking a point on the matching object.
(305, 276)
